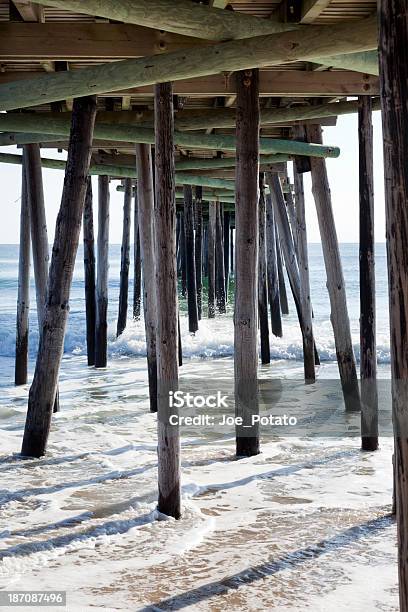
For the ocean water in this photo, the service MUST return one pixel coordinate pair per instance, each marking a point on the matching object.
(305, 525)
(215, 338)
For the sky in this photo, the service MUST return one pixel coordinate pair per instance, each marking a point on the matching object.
(343, 177)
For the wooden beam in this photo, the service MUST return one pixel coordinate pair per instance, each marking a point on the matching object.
(128, 133)
(221, 4)
(44, 386)
(29, 11)
(273, 83)
(311, 9)
(366, 62)
(125, 259)
(178, 16)
(269, 50)
(89, 273)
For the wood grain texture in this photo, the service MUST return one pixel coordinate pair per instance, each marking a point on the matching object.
(145, 198)
(101, 327)
(190, 260)
(246, 262)
(393, 53)
(89, 273)
(168, 443)
(44, 386)
(125, 259)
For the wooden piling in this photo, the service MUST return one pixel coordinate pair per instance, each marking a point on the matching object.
(226, 227)
(335, 280)
(101, 328)
(39, 235)
(125, 259)
(89, 272)
(303, 264)
(137, 263)
(182, 247)
(44, 387)
(23, 297)
(393, 42)
(262, 277)
(232, 251)
(219, 261)
(198, 246)
(145, 197)
(246, 273)
(212, 219)
(190, 259)
(272, 270)
(368, 348)
(168, 446)
(281, 276)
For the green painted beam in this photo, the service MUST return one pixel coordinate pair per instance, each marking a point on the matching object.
(366, 62)
(127, 172)
(307, 43)
(177, 16)
(186, 119)
(191, 19)
(44, 127)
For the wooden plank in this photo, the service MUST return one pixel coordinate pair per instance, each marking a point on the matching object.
(272, 83)
(101, 327)
(168, 435)
(311, 9)
(29, 11)
(246, 259)
(393, 40)
(75, 42)
(44, 386)
(145, 199)
(368, 348)
(23, 296)
(124, 260)
(89, 273)
(260, 51)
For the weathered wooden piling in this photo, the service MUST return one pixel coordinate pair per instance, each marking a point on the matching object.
(335, 280)
(39, 235)
(101, 328)
(137, 262)
(219, 261)
(272, 270)
(281, 276)
(89, 272)
(262, 277)
(23, 296)
(125, 259)
(198, 246)
(368, 348)
(145, 197)
(190, 260)
(246, 273)
(232, 250)
(182, 249)
(303, 264)
(393, 42)
(226, 227)
(168, 446)
(44, 387)
(212, 220)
